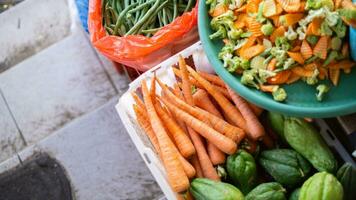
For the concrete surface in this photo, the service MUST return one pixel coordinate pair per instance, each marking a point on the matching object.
(31, 26)
(55, 86)
(10, 138)
(100, 158)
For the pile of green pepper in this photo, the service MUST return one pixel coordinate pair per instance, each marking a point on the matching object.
(304, 169)
(141, 17)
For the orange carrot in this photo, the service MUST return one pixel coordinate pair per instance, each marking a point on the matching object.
(182, 141)
(252, 6)
(214, 79)
(345, 49)
(252, 51)
(219, 10)
(241, 9)
(175, 171)
(224, 103)
(255, 129)
(295, 48)
(334, 75)
(195, 162)
(202, 100)
(138, 101)
(223, 91)
(306, 50)
(268, 88)
(344, 64)
(257, 110)
(224, 143)
(278, 32)
(205, 162)
(280, 78)
(153, 89)
(232, 132)
(296, 56)
(272, 64)
(303, 72)
(269, 8)
(144, 123)
(250, 42)
(290, 5)
(293, 78)
(292, 18)
(314, 27)
(323, 73)
(321, 48)
(254, 26)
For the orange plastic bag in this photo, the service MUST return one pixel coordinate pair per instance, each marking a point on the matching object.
(138, 51)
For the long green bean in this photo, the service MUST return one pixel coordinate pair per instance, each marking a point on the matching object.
(121, 16)
(141, 6)
(175, 9)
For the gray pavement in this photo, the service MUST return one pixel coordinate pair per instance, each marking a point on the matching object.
(57, 95)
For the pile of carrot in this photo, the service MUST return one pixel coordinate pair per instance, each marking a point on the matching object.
(196, 123)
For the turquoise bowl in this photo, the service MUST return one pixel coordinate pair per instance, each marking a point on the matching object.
(301, 101)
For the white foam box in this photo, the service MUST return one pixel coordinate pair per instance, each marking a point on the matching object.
(165, 73)
(124, 108)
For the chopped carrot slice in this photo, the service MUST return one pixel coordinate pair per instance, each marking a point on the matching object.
(296, 56)
(268, 88)
(302, 6)
(337, 3)
(293, 78)
(292, 18)
(252, 51)
(219, 10)
(295, 49)
(280, 78)
(306, 50)
(321, 48)
(301, 71)
(241, 9)
(323, 73)
(269, 8)
(344, 64)
(279, 32)
(314, 27)
(252, 6)
(250, 42)
(254, 27)
(279, 9)
(275, 20)
(290, 5)
(311, 66)
(272, 64)
(334, 75)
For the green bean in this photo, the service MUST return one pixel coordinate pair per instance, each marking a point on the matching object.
(121, 16)
(169, 15)
(109, 30)
(141, 6)
(189, 5)
(160, 19)
(113, 13)
(126, 3)
(151, 19)
(144, 18)
(164, 17)
(117, 6)
(175, 9)
(153, 30)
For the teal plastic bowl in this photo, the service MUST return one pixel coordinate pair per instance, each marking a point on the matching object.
(301, 101)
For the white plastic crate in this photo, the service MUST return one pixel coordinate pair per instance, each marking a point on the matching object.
(124, 108)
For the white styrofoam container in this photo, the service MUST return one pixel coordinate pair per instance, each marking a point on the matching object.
(165, 73)
(127, 115)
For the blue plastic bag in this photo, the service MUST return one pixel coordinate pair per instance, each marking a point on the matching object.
(82, 6)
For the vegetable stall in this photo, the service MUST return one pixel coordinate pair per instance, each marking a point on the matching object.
(199, 136)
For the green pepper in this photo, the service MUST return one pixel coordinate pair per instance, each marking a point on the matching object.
(241, 169)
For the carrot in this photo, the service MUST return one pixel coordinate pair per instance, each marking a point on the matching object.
(278, 32)
(279, 9)
(255, 129)
(296, 56)
(202, 100)
(252, 6)
(338, 3)
(268, 141)
(254, 26)
(144, 123)
(219, 10)
(224, 103)
(295, 48)
(272, 64)
(268, 88)
(293, 78)
(178, 93)
(344, 64)
(240, 22)
(306, 50)
(182, 141)
(257, 110)
(292, 18)
(250, 42)
(301, 71)
(347, 4)
(138, 101)
(314, 27)
(321, 48)
(345, 49)
(269, 8)
(241, 9)
(214, 79)
(223, 91)
(232, 132)
(323, 73)
(279, 78)
(205, 162)
(334, 75)
(175, 171)
(302, 7)
(195, 162)
(251, 51)
(290, 5)
(224, 143)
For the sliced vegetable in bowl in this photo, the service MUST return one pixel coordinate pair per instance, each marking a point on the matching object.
(272, 43)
